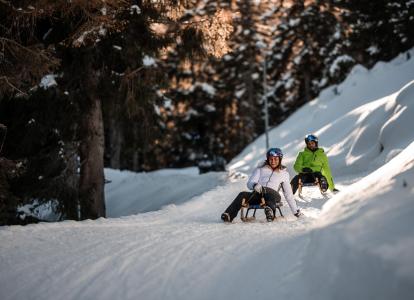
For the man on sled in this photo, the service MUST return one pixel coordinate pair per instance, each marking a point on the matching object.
(312, 167)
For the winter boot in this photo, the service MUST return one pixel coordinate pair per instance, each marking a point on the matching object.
(298, 214)
(269, 214)
(225, 217)
(324, 184)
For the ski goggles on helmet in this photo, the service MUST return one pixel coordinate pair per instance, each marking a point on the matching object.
(274, 152)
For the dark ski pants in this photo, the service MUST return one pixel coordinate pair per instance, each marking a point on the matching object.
(271, 197)
(308, 178)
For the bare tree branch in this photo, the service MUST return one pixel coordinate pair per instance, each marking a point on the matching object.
(11, 85)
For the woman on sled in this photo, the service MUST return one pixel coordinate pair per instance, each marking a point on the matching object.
(264, 183)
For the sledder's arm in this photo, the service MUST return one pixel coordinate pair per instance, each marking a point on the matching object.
(287, 191)
(254, 178)
(327, 172)
(298, 166)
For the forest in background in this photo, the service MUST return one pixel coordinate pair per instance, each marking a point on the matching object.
(143, 85)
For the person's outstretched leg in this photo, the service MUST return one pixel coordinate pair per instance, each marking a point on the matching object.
(322, 180)
(231, 212)
(271, 198)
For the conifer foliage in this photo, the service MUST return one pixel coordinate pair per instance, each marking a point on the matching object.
(100, 54)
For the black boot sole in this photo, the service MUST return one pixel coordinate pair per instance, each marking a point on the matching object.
(225, 217)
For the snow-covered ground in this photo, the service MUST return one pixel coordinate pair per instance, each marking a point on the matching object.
(130, 193)
(357, 245)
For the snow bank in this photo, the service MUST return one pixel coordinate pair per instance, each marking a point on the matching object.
(130, 193)
(363, 247)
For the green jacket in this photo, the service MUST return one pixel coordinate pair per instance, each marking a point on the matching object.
(317, 161)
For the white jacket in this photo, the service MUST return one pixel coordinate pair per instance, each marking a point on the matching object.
(273, 179)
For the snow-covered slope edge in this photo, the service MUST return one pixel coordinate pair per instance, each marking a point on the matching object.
(364, 243)
(130, 193)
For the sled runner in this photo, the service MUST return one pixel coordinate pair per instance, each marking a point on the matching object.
(309, 180)
(245, 216)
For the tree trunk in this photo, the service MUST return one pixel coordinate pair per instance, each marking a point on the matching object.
(91, 185)
(71, 200)
(116, 140)
(135, 156)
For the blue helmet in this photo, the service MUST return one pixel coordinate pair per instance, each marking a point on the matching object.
(274, 152)
(311, 137)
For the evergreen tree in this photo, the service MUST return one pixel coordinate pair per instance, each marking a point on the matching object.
(80, 39)
(379, 30)
(305, 45)
(239, 80)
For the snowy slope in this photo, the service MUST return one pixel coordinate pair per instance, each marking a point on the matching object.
(347, 122)
(130, 193)
(357, 245)
(371, 237)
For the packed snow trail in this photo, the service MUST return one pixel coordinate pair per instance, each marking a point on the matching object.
(181, 252)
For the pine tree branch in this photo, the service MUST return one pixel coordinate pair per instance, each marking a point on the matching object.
(134, 72)
(18, 10)
(5, 78)
(13, 42)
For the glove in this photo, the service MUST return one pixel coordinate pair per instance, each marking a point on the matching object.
(307, 170)
(258, 188)
(335, 191)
